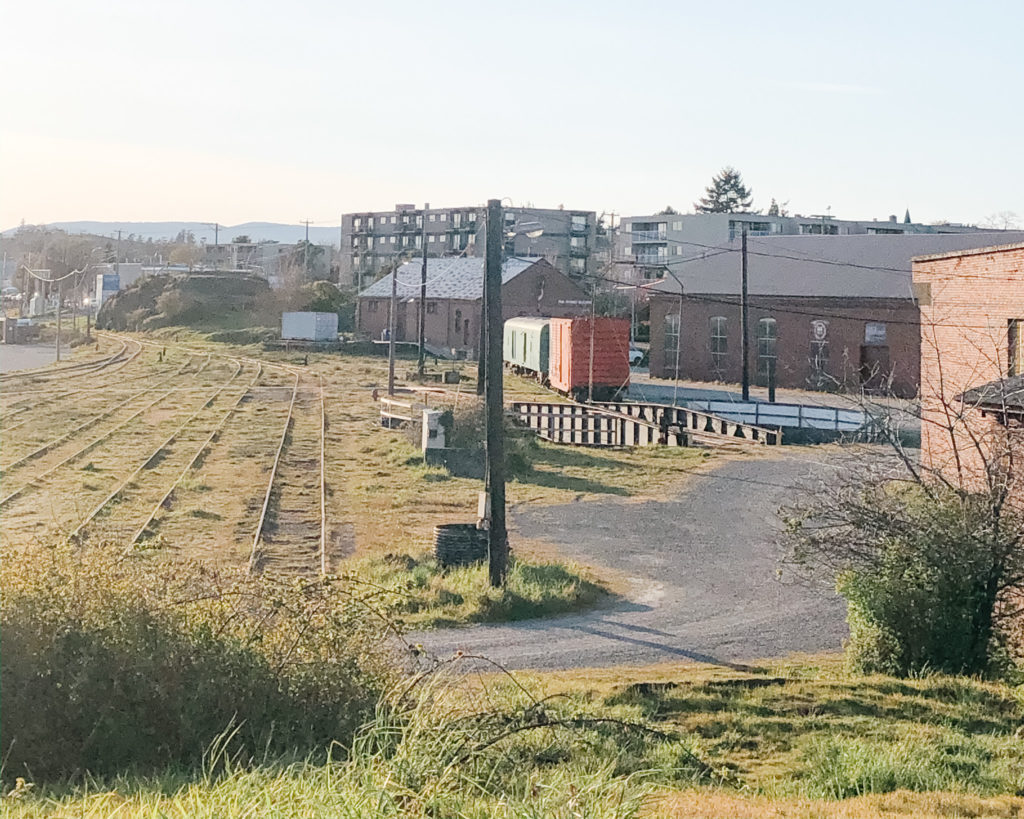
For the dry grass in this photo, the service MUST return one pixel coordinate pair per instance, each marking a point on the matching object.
(705, 804)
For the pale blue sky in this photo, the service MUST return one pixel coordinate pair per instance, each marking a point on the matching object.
(236, 111)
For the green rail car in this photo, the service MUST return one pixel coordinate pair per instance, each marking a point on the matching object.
(527, 345)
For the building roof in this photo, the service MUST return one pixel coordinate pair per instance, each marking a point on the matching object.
(1003, 394)
(977, 251)
(455, 278)
(860, 265)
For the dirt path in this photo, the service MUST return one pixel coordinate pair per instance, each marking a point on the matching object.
(703, 577)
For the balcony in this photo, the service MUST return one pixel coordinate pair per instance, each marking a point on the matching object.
(647, 236)
(578, 229)
(579, 250)
(651, 258)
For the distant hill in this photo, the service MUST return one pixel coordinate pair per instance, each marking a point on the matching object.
(257, 231)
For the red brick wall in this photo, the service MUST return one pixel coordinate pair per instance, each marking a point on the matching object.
(967, 301)
(540, 290)
(794, 316)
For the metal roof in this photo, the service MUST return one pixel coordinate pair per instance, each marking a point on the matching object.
(455, 278)
(1003, 394)
(859, 265)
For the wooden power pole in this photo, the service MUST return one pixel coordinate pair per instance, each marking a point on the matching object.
(421, 364)
(744, 320)
(494, 397)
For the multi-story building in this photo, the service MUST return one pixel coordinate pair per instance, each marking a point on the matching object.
(372, 242)
(269, 259)
(645, 245)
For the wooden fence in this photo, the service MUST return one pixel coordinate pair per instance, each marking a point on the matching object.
(635, 424)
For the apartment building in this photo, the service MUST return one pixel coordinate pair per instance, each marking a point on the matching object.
(373, 241)
(645, 245)
(269, 259)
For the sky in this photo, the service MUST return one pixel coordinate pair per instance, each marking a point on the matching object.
(242, 111)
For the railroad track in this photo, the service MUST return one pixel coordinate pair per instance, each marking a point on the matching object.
(117, 516)
(153, 520)
(50, 470)
(291, 531)
(48, 446)
(73, 370)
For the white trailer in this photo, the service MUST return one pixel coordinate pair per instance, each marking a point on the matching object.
(309, 326)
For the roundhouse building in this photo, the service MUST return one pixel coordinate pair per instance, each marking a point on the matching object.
(825, 312)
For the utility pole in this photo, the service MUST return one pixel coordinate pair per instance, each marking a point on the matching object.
(593, 327)
(392, 324)
(117, 259)
(494, 398)
(305, 250)
(744, 319)
(60, 289)
(420, 366)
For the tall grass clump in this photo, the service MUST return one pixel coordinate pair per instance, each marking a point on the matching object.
(114, 664)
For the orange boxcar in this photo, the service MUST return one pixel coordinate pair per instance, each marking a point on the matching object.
(570, 357)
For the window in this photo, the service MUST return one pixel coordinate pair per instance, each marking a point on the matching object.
(767, 339)
(431, 307)
(874, 334)
(458, 320)
(394, 219)
(719, 343)
(1016, 334)
(442, 217)
(578, 241)
(431, 238)
(819, 357)
(357, 223)
(672, 350)
(678, 226)
(369, 242)
(578, 265)
(394, 239)
(369, 223)
(372, 306)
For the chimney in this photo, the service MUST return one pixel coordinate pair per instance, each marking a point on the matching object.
(892, 217)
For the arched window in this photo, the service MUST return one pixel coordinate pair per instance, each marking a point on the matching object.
(719, 343)
(767, 337)
(672, 350)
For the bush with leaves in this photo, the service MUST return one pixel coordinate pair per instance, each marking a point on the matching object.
(112, 664)
(932, 577)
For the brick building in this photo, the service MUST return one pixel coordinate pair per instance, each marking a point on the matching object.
(972, 361)
(826, 312)
(530, 287)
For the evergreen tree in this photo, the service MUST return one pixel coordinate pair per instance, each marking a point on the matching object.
(726, 194)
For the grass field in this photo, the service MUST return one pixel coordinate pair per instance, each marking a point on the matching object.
(798, 738)
(172, 452)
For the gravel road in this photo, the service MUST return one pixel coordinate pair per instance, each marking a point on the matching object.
(702, 571)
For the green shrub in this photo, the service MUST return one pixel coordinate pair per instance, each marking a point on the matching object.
(926, 575)
(111, 665)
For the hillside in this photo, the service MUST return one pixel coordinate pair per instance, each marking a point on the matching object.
(203, 231)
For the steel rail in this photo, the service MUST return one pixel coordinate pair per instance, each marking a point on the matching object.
(254, 553)
(76, 534)
(85, 366)
(213, 437)
(92, 421)
(323, 479)
(91, 445)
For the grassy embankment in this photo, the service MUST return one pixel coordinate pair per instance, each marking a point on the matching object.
(789, 739)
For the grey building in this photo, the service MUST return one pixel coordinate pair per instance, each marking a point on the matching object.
(645, 245)
(371, 241)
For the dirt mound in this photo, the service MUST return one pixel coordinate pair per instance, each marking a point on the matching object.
(195, 299)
